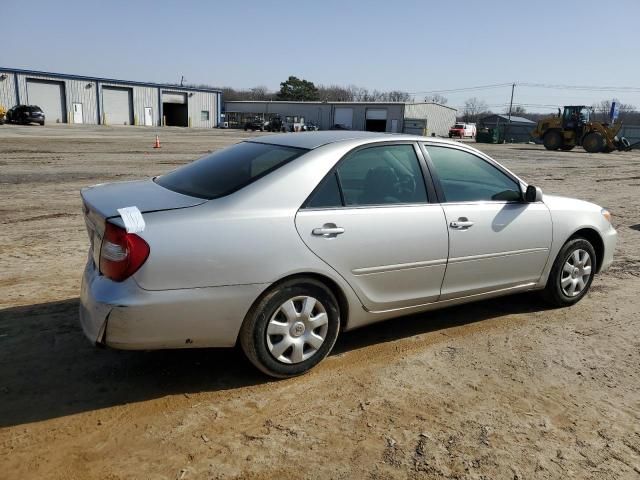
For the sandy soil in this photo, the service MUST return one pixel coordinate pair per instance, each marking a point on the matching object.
(498, 389)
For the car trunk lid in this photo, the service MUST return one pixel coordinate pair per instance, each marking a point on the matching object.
(147, 195)
(101, 202)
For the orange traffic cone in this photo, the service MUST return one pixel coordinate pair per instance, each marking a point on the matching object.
(157, 144)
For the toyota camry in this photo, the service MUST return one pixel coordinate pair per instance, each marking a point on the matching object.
(280, 243)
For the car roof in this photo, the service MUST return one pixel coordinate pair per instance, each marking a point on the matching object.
(311, 140)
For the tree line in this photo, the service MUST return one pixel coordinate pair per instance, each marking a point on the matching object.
(474, 109)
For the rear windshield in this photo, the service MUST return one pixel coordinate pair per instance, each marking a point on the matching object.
(458, 126)
(35, 109)
(228, 170)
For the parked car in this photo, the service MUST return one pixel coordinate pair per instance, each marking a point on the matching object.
(256, 123)
(310, 127)
(339, 126)
(282, 242)
(463, 130)
(25, 114)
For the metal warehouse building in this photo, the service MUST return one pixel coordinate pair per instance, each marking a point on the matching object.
(395, 117)
(102, 101)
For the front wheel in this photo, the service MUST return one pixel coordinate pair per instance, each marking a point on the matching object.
(291, 328)
(552, 140)
(571, 274)
(593, 142)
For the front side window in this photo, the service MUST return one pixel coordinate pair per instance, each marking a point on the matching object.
(383, 175)
(228, 170)
(465, 177)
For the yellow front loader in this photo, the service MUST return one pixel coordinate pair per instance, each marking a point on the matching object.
(575, 127)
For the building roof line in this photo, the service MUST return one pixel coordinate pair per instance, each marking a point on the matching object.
(68, 76)
(336, 102)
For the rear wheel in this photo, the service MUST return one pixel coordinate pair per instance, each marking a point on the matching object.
(571, 274)
(291, 328)
(593, 142)
(552, 140)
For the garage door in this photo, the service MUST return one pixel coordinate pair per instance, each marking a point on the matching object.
(376, 120)
(117, 105)
(343, 116)
(174, 97)
(376, 114)
(49, 96)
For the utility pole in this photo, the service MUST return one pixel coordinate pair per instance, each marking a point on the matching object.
(182, 82)
(513, 87)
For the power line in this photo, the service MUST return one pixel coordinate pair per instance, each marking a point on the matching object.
(593, 88)
(464, 89)
(579, 87)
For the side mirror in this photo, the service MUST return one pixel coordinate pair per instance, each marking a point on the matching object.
(533, 194)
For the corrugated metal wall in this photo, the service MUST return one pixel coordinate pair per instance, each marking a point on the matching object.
(87, 92)
(7, 90)
(199, 102)
(320, 113)
(145, 97)
(76, 91)
(439, 118)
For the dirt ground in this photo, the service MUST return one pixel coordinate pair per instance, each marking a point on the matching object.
(502, 389)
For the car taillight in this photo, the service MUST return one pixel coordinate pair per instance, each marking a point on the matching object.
(121, 253)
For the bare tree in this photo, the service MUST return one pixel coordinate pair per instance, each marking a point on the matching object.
(516, 110)
(473, 109)
(603, 109)
(334, 93)
(436, 98)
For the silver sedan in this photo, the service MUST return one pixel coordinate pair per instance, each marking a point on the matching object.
(281, 242)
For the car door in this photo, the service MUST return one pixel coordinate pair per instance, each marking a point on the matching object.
(496, 240)
(370, 220)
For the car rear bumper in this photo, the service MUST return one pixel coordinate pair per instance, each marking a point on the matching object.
(123, 315)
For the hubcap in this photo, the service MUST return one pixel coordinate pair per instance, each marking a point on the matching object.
(297, 329)
(576, 273)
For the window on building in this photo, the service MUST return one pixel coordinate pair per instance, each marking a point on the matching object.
(204, 115)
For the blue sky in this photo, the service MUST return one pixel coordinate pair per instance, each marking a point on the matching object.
(414, 46)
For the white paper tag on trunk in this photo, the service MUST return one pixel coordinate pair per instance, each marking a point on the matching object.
(132, 218)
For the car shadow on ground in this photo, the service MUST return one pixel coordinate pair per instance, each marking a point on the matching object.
(48, 369)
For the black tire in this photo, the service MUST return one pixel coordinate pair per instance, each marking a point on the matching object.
(593, 142)
(553, 292)
(552, 140)
(253, 333)
(566, 148)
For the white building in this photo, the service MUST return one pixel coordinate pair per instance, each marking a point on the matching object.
(417, 118)
(102, 101)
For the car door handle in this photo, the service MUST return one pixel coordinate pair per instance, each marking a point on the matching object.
(329, 231)
(461, 224)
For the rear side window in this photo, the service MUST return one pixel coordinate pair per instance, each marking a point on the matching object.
(384, 175)
(327, 195)
(228, 170)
